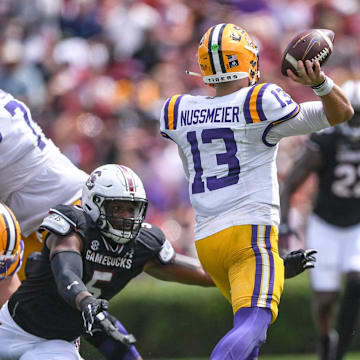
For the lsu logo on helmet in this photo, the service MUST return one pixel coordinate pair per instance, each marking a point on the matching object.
(226, 53)
(11, 245)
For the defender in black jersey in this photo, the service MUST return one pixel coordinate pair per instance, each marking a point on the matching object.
(92, 252)
(334, 226)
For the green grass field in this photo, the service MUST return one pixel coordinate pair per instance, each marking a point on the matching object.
(350, 356)
(143, 289)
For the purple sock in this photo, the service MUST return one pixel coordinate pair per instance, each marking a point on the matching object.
(243, 341)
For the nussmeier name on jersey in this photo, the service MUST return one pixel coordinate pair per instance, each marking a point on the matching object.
(228, 146)
(231, 167)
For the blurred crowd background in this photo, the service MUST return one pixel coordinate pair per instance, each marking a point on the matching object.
(95, 74)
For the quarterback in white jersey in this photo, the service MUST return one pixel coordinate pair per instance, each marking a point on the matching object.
(228, 144)
(34, 174)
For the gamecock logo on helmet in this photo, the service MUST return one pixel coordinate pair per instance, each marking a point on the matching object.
(90, 183)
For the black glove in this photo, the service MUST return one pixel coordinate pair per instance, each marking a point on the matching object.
(107, 323)
(297, 261)
(90, 307)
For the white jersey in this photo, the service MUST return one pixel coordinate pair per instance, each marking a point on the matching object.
(226, 155)
(34, 174)
(19, 134)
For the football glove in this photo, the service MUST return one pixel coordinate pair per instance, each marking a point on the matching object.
(90, 307)
(297, 261)
(106, 323)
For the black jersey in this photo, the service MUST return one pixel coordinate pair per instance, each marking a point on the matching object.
(107, 267)
(338, 197)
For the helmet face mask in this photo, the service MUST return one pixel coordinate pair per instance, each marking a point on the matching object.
(227, 53)
(115, 199)
(123, 217)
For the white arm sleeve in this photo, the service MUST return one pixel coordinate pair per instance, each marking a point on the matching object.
(311, 118)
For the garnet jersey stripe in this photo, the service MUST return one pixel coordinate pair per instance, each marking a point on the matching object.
(129, 180)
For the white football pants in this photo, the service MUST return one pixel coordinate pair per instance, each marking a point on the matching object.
(15, 343)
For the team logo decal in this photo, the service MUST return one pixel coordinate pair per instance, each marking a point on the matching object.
(90, 183)
(314, 41)
(95, 245)
(129, 254)
(235, 36)
(233, 60)
(214, 47)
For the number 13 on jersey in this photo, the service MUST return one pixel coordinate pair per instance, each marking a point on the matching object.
(225, 158)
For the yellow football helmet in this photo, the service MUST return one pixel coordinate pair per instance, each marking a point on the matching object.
(226, 53)
(11, 245)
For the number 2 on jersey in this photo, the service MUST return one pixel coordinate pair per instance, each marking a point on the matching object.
(347, 184)
(227, 158)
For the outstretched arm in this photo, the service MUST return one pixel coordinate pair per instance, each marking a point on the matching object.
(309, 161)
(67, 268)
(66, 264)
(183, 269)
(336, 105)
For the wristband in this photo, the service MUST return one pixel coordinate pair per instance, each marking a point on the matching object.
(324, 88)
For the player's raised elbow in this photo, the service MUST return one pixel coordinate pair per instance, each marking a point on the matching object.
(340, 115)
(350, 113)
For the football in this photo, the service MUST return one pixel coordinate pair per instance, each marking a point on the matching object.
(313, 44)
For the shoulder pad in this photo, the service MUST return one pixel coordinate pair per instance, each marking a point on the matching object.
(268, 101)
(169, 113)
(58, 223)
(167, 253)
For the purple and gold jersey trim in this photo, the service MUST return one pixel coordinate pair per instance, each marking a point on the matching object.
(277, 122)
(171, 112)
(244, 263)
(265, 269)
(253, 109)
